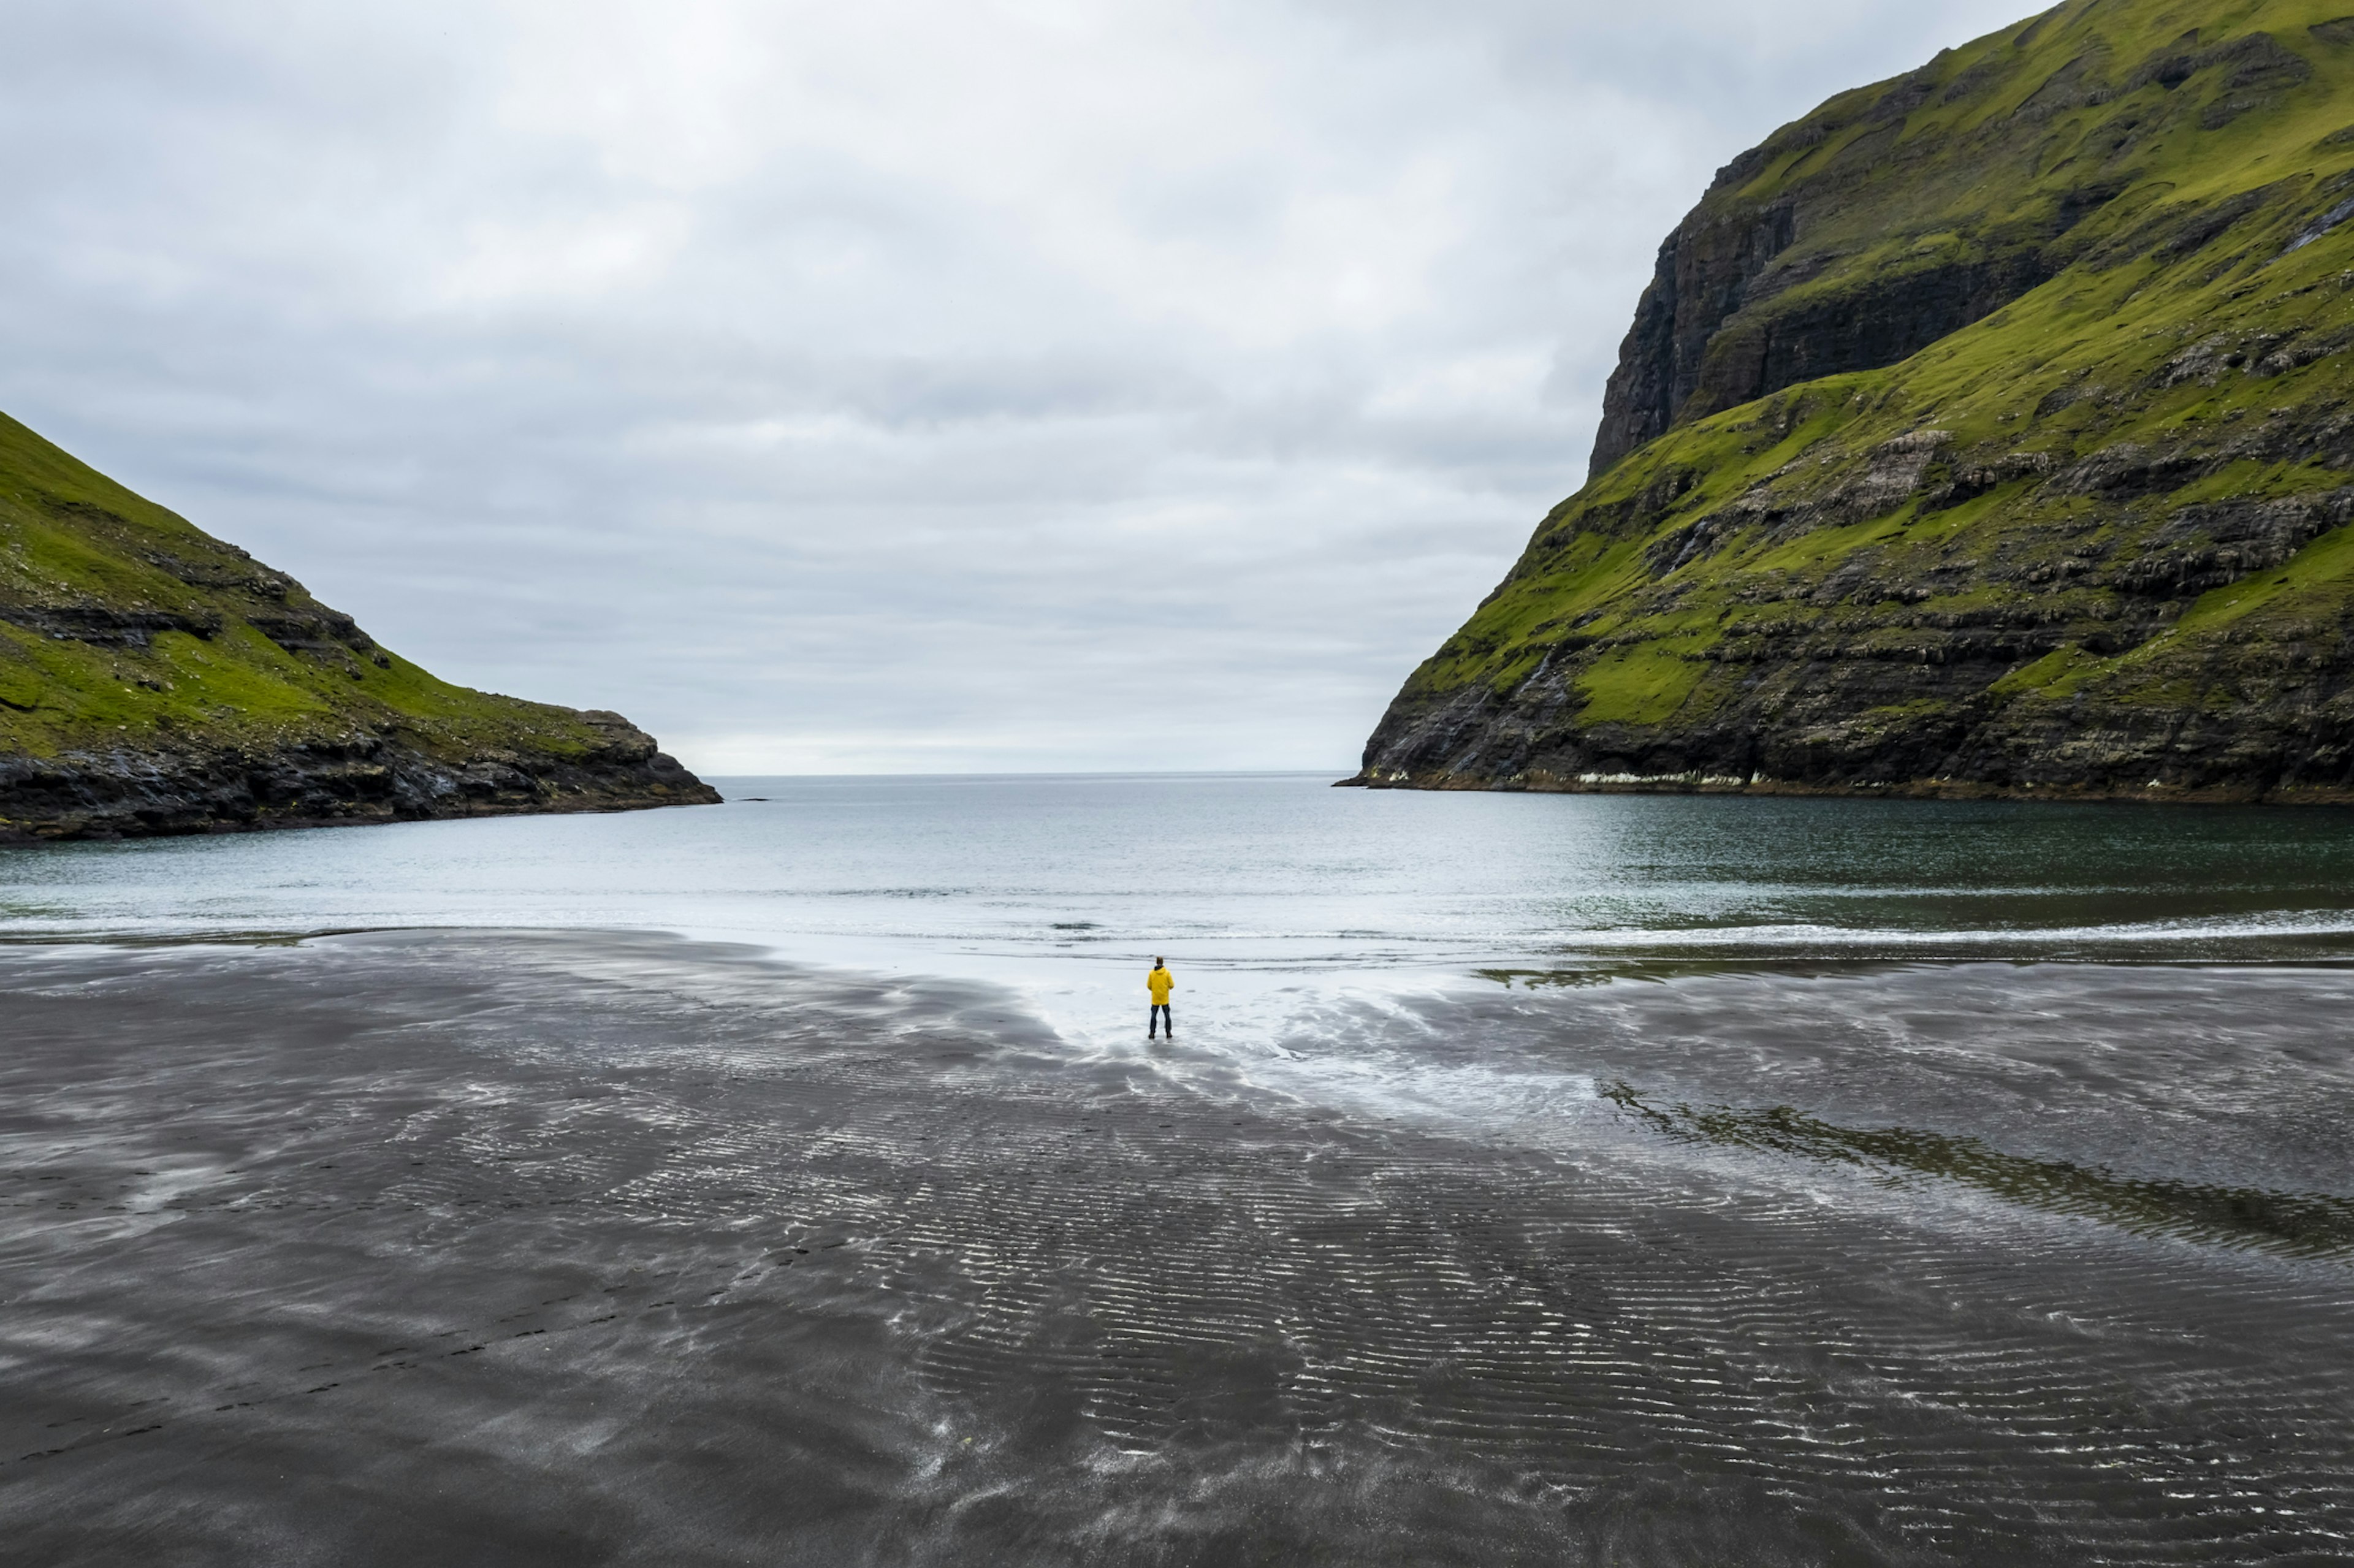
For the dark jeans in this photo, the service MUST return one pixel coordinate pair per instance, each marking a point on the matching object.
(1160, 1016)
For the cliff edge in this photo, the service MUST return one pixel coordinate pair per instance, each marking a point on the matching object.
(1986, 431)
(154, 680)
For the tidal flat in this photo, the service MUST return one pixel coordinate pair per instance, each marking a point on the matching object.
(575, 1247)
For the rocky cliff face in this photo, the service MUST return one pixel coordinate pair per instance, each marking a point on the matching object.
(1784, 273)
(1984, 431)
(154, 680)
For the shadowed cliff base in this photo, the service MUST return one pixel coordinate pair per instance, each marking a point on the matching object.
(1984, 431)
(154, 680)
(353, 780)
(2157, 792)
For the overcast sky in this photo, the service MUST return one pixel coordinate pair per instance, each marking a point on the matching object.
(945, 384)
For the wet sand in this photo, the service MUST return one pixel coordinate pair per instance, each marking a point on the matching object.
(577, 1248)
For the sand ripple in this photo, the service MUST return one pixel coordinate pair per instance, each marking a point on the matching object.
(564, 1249)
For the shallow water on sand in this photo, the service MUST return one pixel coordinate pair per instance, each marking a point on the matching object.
(1537, 1180)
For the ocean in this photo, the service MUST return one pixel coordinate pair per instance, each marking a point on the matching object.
(1627, 1178)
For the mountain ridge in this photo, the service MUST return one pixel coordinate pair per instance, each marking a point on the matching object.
(1980, 432)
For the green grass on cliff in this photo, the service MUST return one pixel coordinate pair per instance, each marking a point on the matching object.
(2157, 336)
(79, 551)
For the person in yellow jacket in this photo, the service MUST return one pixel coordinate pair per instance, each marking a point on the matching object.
(1160, 983)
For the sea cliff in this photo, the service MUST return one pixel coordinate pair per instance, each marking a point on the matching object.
(155, 680)
(1984, 432)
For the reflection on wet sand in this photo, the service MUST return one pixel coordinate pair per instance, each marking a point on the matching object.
(568, 1248)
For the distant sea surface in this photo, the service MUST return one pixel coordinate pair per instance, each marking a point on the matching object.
(1535, 1178)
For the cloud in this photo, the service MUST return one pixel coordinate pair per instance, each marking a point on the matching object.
(908, 384)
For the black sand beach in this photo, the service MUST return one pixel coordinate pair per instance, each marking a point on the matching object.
(568, 1248)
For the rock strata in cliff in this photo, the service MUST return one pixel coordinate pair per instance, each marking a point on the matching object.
(154, 680)
(1984, 431)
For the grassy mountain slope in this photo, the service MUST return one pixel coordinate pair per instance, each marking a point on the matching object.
(1987, 431)
(154, 679)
